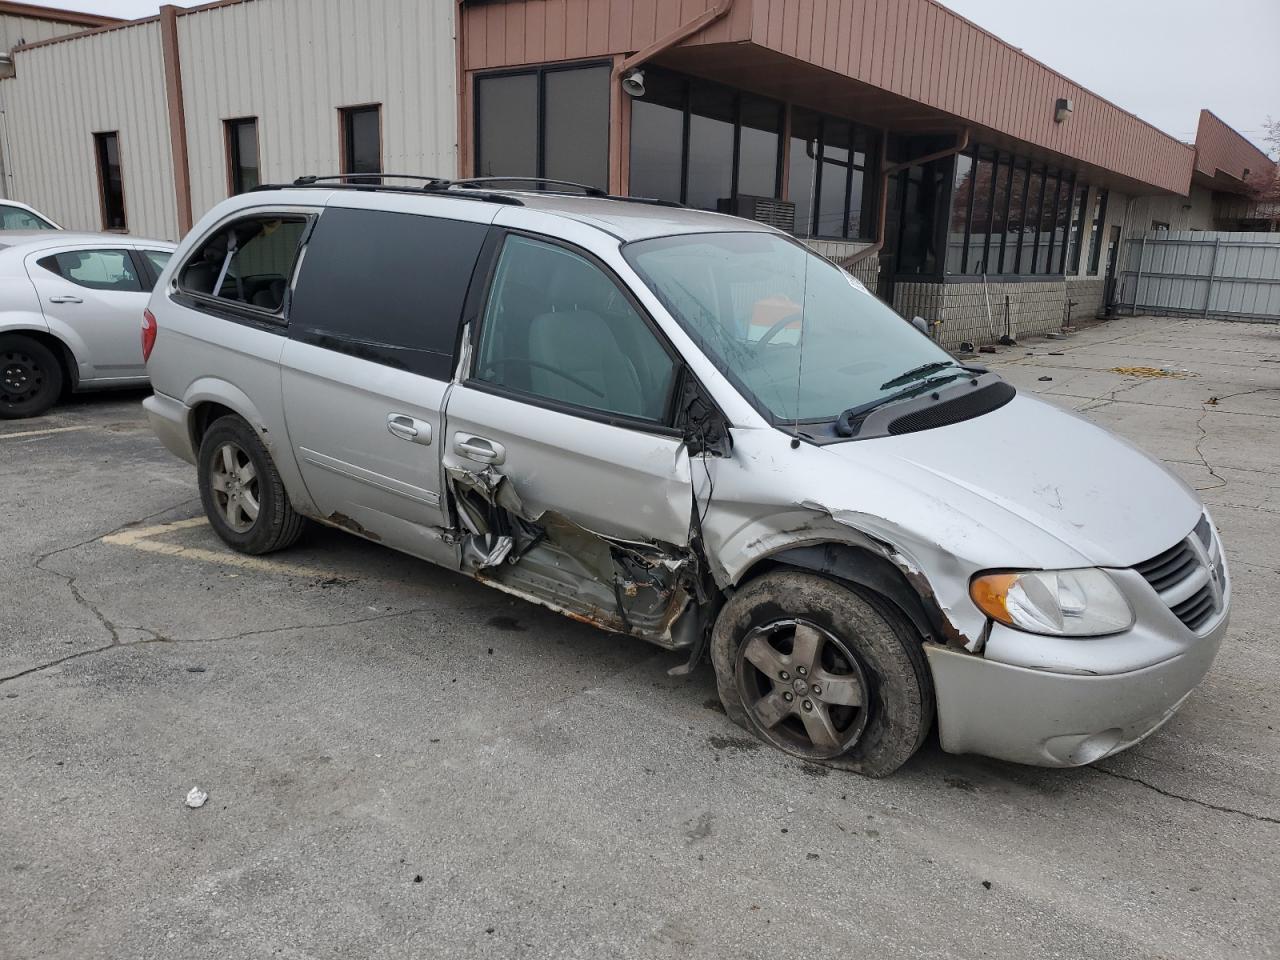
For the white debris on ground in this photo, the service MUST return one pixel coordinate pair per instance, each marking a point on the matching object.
(196, 798)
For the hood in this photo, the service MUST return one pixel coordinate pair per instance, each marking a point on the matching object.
(1029, 485)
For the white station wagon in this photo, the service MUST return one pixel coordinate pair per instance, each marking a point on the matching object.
(691, 429)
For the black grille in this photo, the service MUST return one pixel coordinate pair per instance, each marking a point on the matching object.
(965, 407)
(1169, 568)
(1196, 609)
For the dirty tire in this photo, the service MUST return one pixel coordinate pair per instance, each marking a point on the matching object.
(276, 524)
(897, 683)
(30, 377)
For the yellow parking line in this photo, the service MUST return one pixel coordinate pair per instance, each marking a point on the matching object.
(144, 538)
(42, 433)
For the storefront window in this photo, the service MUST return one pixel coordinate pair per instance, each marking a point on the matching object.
(1095, 242)
(657, 138)
(830, 182)
(999, 210)
(980, 217)
(1077, 230)
(961, 200)
(686, 134)
(761, 126)
(1006, 215)
(551, 122)
(711, 131)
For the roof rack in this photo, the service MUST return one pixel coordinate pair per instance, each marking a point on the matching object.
(587, 190)
(375, 182)
(369, 178)
(470, 188)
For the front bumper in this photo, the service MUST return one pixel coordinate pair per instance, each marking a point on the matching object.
(1055, 719)
(170, 421)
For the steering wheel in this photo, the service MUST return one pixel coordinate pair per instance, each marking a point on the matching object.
(525, 362)
(777, 328)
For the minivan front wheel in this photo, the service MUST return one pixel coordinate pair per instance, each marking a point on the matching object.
(813, 667)
(243, 495)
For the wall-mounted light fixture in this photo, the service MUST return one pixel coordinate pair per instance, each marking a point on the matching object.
(1062, 110)
(633, 82)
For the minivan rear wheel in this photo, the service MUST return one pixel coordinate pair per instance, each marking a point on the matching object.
(30, 378)
(815, 668)
(243, 495)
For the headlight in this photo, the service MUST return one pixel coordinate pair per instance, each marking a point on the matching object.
(1061, 603)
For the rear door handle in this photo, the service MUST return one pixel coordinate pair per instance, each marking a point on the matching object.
(478, 448)
(65, 299)
(409, 428)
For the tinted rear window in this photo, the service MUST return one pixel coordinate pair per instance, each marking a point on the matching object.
(386, 287)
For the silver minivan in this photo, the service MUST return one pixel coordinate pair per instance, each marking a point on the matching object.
(689, 428)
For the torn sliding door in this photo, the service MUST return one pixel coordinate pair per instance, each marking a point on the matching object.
(583, 516)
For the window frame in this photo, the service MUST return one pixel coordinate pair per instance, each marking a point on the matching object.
(276, 321)
(476, 309)
(1095, 232)
(539, 73)
(345, 139)
(235, 162)
(100, 139)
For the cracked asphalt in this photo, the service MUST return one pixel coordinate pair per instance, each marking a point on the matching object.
(403, 763)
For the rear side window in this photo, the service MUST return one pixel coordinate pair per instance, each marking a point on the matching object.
(386, 287)
(95, 269)
(247, 263)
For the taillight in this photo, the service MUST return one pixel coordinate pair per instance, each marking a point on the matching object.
(148, 334)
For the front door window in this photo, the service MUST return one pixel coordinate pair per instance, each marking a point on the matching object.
(558, 329)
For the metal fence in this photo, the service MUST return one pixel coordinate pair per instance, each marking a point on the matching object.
(1233, 276)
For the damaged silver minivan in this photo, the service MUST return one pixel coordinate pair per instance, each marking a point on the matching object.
(691, 429)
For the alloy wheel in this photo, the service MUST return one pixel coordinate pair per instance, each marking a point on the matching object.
(234, 482)
(803, 688)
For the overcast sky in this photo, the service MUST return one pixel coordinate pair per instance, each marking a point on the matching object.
(1162, 59)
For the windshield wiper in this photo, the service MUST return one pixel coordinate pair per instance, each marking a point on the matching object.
(847, 422)
(915, 373)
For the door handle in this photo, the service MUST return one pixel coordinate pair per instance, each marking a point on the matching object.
(409, 428)
(65, 299)
(478, 448)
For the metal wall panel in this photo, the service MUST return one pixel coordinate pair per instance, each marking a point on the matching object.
(1191, 272)
(293, 63)
(916, 49)
(62, 94)
(537, 31)
(1220, 148)
(16, 30)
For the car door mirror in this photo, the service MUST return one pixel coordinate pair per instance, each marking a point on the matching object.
(921, 324)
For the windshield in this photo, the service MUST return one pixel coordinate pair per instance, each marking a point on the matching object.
(797, 334)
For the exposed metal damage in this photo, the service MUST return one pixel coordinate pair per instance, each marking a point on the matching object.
(646, 589)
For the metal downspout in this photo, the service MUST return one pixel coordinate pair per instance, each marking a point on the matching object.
(681, 32)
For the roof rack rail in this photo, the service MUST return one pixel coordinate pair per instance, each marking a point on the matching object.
(374, 182)
(368, 178)
(587, 189)
(470, 188)
(647, 201)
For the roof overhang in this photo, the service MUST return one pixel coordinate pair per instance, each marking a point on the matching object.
(748, 66)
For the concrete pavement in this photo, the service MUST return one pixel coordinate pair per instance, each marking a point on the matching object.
(403, 763)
